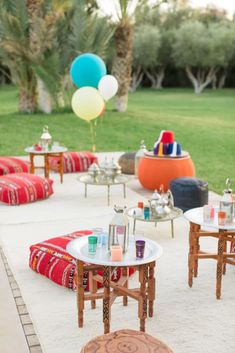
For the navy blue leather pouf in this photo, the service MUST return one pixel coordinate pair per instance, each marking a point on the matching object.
(189, 192)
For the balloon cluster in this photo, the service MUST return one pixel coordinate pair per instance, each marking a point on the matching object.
(88, 72)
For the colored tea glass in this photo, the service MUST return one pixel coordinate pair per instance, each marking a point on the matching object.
(140, 246)
(92, 244)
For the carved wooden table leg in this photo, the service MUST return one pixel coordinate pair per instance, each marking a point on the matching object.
(92, 288)
(220, 263)
(46, 166)
(142, 305)
(190, 255)
(106, 300)
(32, 166)
(151, 288)
(61, 166)
(197, 248)
(80, 292)
(125, 272)
(224, 264)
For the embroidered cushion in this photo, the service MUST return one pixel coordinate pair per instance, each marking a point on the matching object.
(74, 161)
(20, 188)
(50, 259)
(13, 165)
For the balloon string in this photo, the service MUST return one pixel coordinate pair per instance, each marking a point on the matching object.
(93, 125)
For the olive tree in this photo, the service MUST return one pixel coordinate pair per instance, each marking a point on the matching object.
(147, 42)
(202, 50)
(152, 54)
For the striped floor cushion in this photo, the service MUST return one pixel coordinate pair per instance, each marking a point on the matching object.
(50, 259)
(20, 188)
(13, 165)
(74, 161)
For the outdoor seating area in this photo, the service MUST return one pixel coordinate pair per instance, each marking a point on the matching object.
(117, 164)
(53, 307)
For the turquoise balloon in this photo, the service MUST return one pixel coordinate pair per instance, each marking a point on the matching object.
(87, 70)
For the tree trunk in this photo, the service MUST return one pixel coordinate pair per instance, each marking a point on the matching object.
(156, 78)
(123, 62)
(44, 97)
(222, 80)
(201, 80)
(27, 100)
(152, 78)
(160, 78)
(214, 82)
(121, 103)
(137, 78)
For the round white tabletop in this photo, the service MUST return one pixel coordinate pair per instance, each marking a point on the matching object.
(59, 149)
(195, 215)
(78, 248)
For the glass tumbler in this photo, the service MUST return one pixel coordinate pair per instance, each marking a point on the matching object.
(146, 212)
(140, 246)
(92, 244)
(98, 233)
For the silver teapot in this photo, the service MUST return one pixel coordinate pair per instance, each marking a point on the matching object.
(94, 171)
(161, 203)
(154, 202)
(104, 165)
(112, 170)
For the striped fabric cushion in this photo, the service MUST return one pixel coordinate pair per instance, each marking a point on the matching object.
(50, 259)
(74, 161)
(20, 188)
(13, 165)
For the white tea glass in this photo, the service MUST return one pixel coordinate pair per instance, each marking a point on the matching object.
(55, 145)
(98, 232)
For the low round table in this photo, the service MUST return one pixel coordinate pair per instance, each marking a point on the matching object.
(86, 179)
(224, 234)
(154, 171)
(58, 151)
(144, 295)
(175, 213)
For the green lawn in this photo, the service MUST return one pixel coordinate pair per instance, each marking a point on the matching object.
(204, 125)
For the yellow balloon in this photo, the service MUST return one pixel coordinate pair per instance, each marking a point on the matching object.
(87, 103)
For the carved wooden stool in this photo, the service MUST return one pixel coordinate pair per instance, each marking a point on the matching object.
(124, 341)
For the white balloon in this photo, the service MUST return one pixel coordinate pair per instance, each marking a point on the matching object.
(108, 86)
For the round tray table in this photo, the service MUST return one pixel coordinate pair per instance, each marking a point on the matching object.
(100, 180)
(144, 295)
(175, 213)
(58, 151)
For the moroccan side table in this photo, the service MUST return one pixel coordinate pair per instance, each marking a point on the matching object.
(56, 152)
(128, 341)
(154, 171)
(224, 234)
(100, 180)
(175, 213)
(144, 295)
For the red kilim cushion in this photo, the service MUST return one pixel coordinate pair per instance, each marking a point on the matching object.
(19, 188)
(13, 165)
(74, 161)
(50, 259)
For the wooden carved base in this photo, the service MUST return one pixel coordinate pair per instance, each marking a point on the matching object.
(222, 256)
(145, 294)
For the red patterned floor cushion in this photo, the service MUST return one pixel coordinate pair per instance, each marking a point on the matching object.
(74, 161)
(13, 165)
(20, 188)
(50, 259)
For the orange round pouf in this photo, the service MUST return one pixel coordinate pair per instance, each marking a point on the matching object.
(154, 171)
